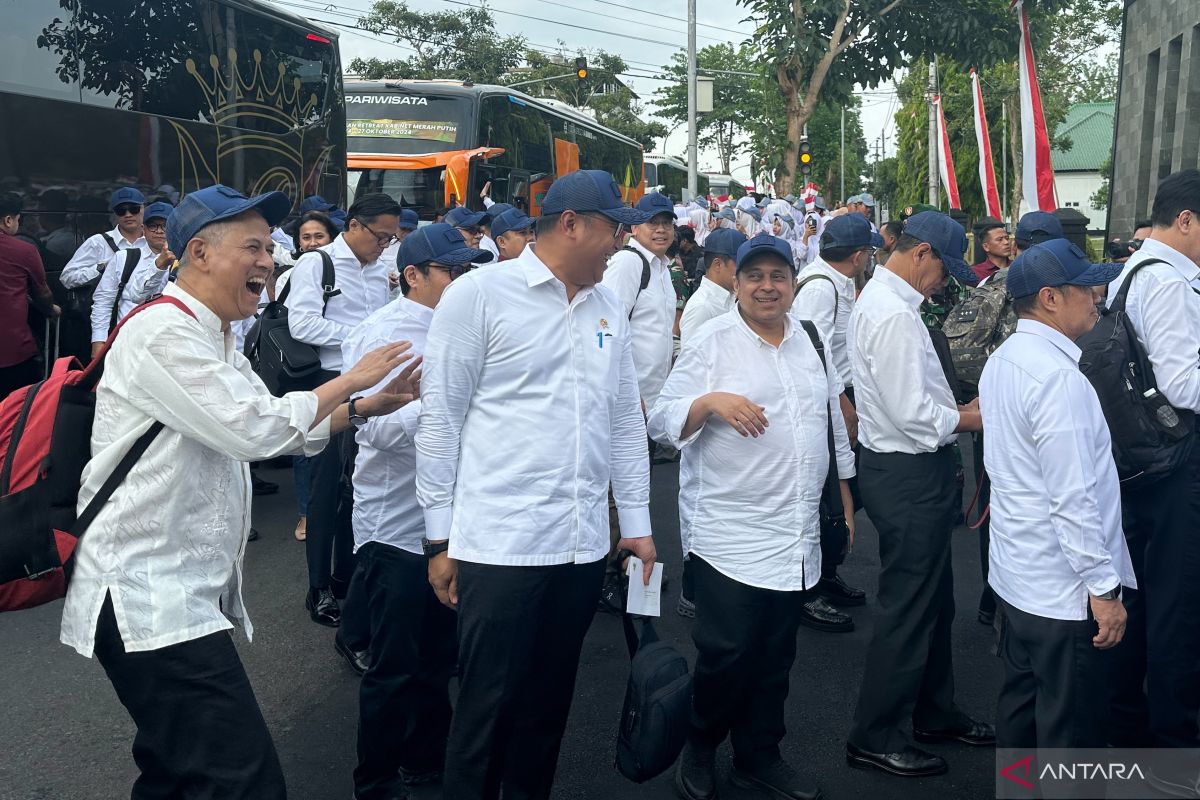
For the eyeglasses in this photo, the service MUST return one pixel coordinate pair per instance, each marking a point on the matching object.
(156, 227)
(662, 223)
(126, 210)
(471, 230)
(456, 271)
(618, 232)
(382, 239)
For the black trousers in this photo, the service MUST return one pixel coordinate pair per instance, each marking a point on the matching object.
(329, 546)
(912, 500)
(1054, 683)
(520, 630)
(404, 698)
(200, 733)
(355, 630)
(19, 376)
(746, 644)
(987, 598)
(1155, 687)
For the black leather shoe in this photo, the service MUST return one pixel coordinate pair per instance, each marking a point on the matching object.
(253, 535)
(261, 487)
(840, 593)
(420, 777)
(323, 607)
(696, 773)
(911, 762)
(777, 780)
(359, 660)
(820, 616)
(970, 732)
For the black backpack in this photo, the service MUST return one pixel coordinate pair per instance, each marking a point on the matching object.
(1150, 437)
(79, 299)
(658, 705)
(284, 364)
(132, 257)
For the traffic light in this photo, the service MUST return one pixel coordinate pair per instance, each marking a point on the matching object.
(805, 157)
(581, 70)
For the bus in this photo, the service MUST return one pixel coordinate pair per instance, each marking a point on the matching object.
(722, 185)
(668, 175)
(434, 144)
(165, 96)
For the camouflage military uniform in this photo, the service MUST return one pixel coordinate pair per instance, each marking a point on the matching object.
(935, 310)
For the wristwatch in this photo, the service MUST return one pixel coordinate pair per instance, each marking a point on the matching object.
(1111, 594)
(433, 548)
(356, 419)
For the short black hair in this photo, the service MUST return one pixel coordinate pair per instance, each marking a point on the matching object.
(405, 286)
(1142, 223)
(686, 232)
(894, 227)
(1024, 244)
(1024, 306)
(11, 204)
(370, 207)
(1178, 192)
(710, 256)
(545, 223)
(836, 255)
(906, 242)
(313, 216)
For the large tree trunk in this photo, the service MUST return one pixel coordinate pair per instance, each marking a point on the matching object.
(1018, 161)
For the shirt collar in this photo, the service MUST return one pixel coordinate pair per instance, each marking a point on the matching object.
(841, 281)
(1182, 264)
(788, 329)
(709, 286)
(203, 313)
(536, 271)
(1051, 335)
(118, 237)
(898, 286)
(653, 259)
(339, 249)
(421, 313)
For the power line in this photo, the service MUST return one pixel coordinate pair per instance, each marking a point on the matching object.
(747, 34)
(567, 24)
(640, 24)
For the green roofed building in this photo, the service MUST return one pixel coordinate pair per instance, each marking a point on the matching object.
(1077, 170)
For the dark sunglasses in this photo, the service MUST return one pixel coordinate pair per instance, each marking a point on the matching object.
(126, 210)
(455, 271)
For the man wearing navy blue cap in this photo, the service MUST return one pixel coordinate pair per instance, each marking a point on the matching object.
(1036, 227)
(158, 577)
(468, 222)
(750, 405)
(714, 295)
(825, 292)
(404, 702)
(1058, 557)
(534, 352)
(125, 204)
(513, 230)
(908, 422)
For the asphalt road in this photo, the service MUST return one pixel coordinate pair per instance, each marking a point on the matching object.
(64, 736)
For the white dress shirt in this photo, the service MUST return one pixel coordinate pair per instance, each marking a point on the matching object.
(488, 243)
(828, 305)
(903, 401)
(1165, 312)
(1056, 499)
(168, 545)
(709, 302)
(364, 290)
(529, 410)
(146, 281)
(85, 264)
(749, 506)
(385, 471)
(653, 317)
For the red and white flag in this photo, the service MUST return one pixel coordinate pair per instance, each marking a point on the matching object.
(945, 158)
(987, 172)
(1037, 176)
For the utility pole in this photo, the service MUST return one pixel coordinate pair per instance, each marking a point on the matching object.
(933, 137)
(693, 179)
(842, 171)
(1004, 158)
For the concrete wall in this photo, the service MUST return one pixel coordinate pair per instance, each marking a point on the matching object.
(1075, 190)
(1158, 113)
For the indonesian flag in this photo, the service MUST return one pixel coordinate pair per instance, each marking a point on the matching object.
(945, 158)
(1037, 176)
(987, 172)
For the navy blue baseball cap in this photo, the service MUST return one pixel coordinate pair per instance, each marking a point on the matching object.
(495, 210)
(1037, 227)
(849, 230)
(314, 202)
(463, 217)
(591, 190)
(439, 242)
(126, 194)
(1056, 262)
(763, 244)
(655, 204)
(726, 213)
(409, 220)
(725, 242)
(946, 237)
(753, 212)
(217, 203)
(512, 220)
(158, 210)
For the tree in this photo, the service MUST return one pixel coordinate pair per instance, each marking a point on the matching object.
(458, 45)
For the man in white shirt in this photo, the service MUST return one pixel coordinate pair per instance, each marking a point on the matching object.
(89, 260)
(147, 279)
(537, 354)
(1058, 555)
(908, 422)
(404, 700)
(470, 225)
(158, 576)
(750, 406)
(1162, 647)
(325, 319)
(513, 230)
(714, 296)
(825, 295)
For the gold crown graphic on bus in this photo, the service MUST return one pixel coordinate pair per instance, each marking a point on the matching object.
(230, 96)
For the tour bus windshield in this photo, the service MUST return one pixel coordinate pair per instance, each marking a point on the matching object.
(403, 123)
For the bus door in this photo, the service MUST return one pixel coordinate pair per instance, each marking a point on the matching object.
(508, 185)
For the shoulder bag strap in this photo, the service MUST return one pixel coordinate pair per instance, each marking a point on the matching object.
(832, 492)
(328, 280)
(645, 281)
(1118, 303)
(111, 244)
(818, 276)
(132, 257)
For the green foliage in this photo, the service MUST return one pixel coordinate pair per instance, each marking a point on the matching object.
(726, 127)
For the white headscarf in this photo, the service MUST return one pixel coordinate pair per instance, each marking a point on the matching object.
(699, 219)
